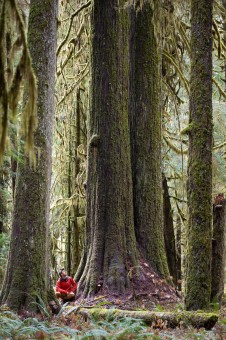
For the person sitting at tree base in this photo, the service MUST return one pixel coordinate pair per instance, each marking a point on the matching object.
(66, 287)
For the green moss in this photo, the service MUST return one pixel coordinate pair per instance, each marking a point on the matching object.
(195, 319)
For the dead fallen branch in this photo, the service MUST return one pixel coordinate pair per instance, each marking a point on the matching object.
(172, 320)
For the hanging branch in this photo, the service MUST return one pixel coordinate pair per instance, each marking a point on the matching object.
(70, 26)
(81, 75)
(217, 147)
(219, 88)
(171, 59)
(173, 147)
(218, 38)
(10, 88)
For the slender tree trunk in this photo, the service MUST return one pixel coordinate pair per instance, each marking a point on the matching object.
(224, 36)
(110, 247)
(145, 125)
(198, 284)
(178, 251)
(70, 181)
(27, 276)
(218, 251)
(169, 235)
(2, 201)
(76, 234)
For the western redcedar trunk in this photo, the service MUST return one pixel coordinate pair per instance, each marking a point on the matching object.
(125, 78)
(110, 248)
(200, 129)
(27, 276)
(145, 125)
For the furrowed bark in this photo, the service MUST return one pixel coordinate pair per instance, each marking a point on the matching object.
(145, 127)
(110, 241)
(198, 281)
(27, 278)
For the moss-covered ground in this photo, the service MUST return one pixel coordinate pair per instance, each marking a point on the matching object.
(70, 324)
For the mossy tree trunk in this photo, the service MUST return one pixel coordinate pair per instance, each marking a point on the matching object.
(110, 248)
(218, 251)
(169, 235)
(2, 201)
(76, 232)
(145, 126)
(224, 36)
(198, 280)
(178, 252)
(73, 230)
(27, 275)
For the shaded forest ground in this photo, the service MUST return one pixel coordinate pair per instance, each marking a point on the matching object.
(70, 325)
(148, 292)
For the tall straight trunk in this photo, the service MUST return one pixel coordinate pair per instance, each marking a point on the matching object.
(198, 280)
(218, 251)
(178, 252)
(76, 234)
(69, 218)
(110, 248)
(224, 36)
(2, 201)
(27, 276)
(169, 235)
(145, 125)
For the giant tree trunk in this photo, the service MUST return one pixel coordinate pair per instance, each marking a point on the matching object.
(110, 240)
(27, 276)
(200, 158)
(145, 125)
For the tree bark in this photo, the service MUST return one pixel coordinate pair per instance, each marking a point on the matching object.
(218, 251)
(76, 232)
(2, 201)
(198, 284)
(27, 277)
(178, 252)
(110, 247)
(169, 236)
(145, 126)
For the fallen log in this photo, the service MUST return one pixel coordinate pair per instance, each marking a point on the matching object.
(171, 319)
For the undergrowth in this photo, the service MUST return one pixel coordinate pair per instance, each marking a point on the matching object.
(4, 248)
(72, 326)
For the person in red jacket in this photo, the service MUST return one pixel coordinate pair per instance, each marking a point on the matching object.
(66, 287)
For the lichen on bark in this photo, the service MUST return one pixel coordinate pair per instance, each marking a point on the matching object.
(27, 276)
(198, 280)
(145, 127)
(110, 240)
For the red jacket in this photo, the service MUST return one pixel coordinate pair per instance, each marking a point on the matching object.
(67, 285)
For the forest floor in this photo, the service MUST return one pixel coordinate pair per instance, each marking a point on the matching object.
(148, 293)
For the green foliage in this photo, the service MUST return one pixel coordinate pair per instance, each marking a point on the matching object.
(11, 327)
(41, 305)
(4, 248)
(27, 329)
(159, 308)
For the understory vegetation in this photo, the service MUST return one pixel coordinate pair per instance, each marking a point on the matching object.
(68, 325)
